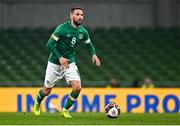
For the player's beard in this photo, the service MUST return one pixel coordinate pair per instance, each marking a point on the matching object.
(78, 22)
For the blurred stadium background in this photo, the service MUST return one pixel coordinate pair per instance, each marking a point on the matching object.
(135, 39)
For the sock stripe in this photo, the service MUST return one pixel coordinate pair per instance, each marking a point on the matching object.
(71, 98)
(39, 95)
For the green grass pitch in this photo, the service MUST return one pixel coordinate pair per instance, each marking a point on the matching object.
(88, 119)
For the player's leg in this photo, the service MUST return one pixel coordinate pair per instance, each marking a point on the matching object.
(72, 77)
(50, 78)
(45, 91)
(76, 88)
(40, 96)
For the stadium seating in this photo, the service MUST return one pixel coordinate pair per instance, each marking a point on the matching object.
(126, 54)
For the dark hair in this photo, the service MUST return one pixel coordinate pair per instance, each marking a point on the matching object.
(75, 8)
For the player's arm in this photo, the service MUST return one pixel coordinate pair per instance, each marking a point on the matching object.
(91, 49)
(95, 59)
(53, 39)
(50, 45)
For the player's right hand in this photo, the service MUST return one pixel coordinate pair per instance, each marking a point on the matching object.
(64, 62)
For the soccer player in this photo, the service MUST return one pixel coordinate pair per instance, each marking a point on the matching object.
(61, 62)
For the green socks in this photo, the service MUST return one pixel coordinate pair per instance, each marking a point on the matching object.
(40, 96)
(71, 99)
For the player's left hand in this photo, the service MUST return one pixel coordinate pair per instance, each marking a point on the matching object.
(96, 60)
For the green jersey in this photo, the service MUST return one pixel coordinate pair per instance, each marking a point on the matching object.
(66, 38)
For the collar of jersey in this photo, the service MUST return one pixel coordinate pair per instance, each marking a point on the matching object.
(72, 26)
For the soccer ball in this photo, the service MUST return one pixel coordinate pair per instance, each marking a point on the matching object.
(112, 110)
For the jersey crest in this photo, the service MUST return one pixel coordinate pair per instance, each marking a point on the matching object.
(80, 35)
(68, 35)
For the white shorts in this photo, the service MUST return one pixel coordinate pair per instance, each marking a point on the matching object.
(55, 72)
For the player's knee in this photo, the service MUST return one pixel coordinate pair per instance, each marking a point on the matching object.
(46, 91)
(78, 88)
